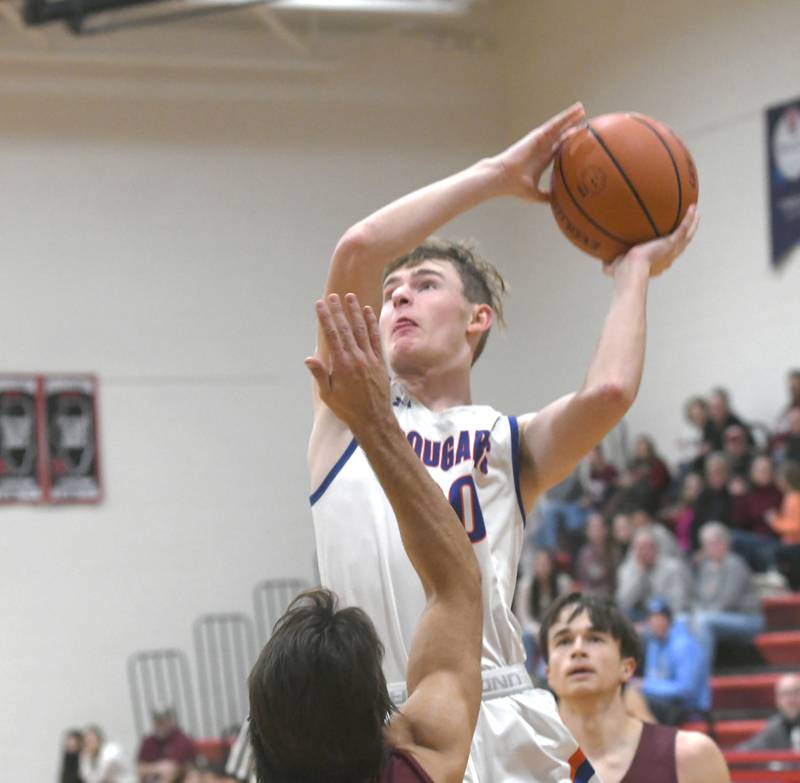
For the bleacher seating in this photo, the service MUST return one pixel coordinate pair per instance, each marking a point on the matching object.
(743, 699)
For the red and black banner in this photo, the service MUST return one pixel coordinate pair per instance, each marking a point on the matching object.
(49, 446)
(783, 144)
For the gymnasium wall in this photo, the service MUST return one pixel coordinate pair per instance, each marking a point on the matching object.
(721, 315)
(169, 229)
(170, 233)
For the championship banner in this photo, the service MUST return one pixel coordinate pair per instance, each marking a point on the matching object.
(783, 141)
(21, 453)
(73, 463)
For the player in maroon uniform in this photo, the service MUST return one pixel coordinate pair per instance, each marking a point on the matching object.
(319, 705)
(592, 650)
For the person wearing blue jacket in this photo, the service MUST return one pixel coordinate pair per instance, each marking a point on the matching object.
(676, 668)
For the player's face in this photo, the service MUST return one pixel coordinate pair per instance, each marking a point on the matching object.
(584, 662)
(425, 317)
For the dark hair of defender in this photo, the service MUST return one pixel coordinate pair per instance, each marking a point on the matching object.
(605, 617)
(318, 696)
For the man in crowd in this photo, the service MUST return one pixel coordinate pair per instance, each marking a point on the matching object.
(782, 731)
(166, 755)
(592, 651)
(676, 681)
(727, 605)
(648, 574)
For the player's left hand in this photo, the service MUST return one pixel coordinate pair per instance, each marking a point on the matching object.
(356, 384)
(659, 254)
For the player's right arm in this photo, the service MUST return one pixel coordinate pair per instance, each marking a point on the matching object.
(367, 247)
(443, 677)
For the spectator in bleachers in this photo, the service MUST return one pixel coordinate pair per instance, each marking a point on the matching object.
(648, 574)
(786, 523)
(621, 534)
(562, 512)
(538, 588)
(596, 564)
(602, 478)
(752, 536)
(786, 446)
(667, 544)
(793, 382)
(694, 443)
(737, 451)
(644, 482)
(715, 502)
(782, 731)
(762, 495)
(727, 605)
(70, 758)
(103, 761)
(721, 417)
(168, 754)
(680, 516)
(676, 682)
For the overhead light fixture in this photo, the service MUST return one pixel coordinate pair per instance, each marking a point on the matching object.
(74, 12)
(412, 7)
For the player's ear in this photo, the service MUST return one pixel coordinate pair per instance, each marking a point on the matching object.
(627, 668)
(481, 320)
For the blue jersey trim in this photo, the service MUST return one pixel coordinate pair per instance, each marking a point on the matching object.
(512, 422)
(584, 773)
(320, 491)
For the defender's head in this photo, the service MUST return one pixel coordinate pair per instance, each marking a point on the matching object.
(318, 697)
(439, 300)
(589, 645)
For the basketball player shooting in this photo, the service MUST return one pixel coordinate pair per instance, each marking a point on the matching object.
(437, 303)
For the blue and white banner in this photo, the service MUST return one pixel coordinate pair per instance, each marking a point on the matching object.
(783, 142)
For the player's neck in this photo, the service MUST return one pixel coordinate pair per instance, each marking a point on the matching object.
(438, 390)
(600, 724)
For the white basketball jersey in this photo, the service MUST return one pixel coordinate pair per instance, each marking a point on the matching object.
(472, 452)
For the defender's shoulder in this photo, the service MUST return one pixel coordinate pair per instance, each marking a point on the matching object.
(699, 759)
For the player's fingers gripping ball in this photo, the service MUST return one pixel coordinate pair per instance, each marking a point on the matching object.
(622, 180)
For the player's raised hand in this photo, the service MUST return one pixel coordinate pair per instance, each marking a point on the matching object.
(660, 254)
(356, 384)
(524, 162)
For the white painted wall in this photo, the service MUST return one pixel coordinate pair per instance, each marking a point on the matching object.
(721, 315)
(169, 233)
(174, 246)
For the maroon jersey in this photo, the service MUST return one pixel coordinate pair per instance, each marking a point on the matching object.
(655, 759)
(402, 767)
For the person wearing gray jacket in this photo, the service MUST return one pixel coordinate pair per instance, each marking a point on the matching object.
(727, 605)
(782, 731)
(649, 574)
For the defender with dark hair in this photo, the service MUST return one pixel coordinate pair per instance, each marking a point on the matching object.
(320, 708)
(592, 652)
(438, 302)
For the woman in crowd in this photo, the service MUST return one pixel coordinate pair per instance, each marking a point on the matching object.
(103, 761)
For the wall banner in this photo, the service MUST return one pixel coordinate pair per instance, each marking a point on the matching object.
(72, 444)
(49, 445)
(783, 150)
(22, 463)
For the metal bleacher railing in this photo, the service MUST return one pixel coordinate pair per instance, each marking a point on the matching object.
(225, 647)
(158, 679)
(271, 597)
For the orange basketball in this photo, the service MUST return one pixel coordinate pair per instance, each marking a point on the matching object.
(623, 179)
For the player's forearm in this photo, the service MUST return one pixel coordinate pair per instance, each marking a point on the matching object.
(618, 359)
(434, 540)
(399, 227)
